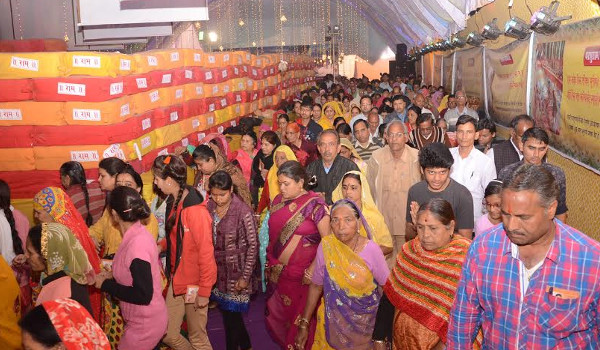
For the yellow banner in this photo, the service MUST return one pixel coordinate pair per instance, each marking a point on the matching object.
(566, 91)
(469, 72)
(507, 81)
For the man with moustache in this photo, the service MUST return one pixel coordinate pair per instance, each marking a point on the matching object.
(534, 147)
(391, 171)
(326, 173)
(532, 282)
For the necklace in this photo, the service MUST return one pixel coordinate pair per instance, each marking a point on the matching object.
(221, 211)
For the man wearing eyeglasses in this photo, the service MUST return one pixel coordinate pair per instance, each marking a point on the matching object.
(461, 108)
(391, 172)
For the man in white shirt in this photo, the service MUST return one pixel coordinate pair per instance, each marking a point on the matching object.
(471, 168)
(461, 108)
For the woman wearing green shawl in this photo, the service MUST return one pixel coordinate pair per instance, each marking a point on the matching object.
(54, 250)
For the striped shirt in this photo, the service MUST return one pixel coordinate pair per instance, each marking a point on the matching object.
(560, 306)
(365, 152)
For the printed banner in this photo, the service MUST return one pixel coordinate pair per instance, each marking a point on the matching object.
(506, 70)
(469, 72)
(566, 91)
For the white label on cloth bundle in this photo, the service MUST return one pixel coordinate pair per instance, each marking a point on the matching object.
(146, 123)
(154, 96)
(210, 120)
(201, 136)
(223, 102)
(199, 90)
(114, 151)
(92, 115)
(173, 116)
(11, 114)
(236, 71)
(211, 107)
(141, 83)
(86, 61)
(195, 123)
(174, 56)
(233, 123)
(84, 156)
(188, 74)
(215, 89)
(164, 152)
(125, 110)
(208, 75)
(24, 63)
(179, 93)
(226, 57)
(185, 142)
(212, 59)
(224, 73)
(146, 142)
(197, 57)
(125, 64)
(166, 79)
(71, 89)
(152, 61)
(225, 88)
(116, 88)
(220, 129)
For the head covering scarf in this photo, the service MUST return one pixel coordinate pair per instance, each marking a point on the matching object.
(222, 145)
(350, 295)
(58, 204)
(75, 326)
(374, 220)
(435, 97)
(272, 175)
(63, 252)
(443, 103)
(348, 144)
(338, 108)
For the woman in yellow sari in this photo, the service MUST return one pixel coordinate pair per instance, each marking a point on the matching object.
(354, 186)
(348, 270)
(330, 111)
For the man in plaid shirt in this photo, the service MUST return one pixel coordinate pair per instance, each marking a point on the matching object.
(532, 282)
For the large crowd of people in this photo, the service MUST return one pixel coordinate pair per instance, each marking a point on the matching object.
(369, 214)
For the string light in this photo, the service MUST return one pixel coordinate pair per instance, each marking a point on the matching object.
(66, 37)
(19, 22)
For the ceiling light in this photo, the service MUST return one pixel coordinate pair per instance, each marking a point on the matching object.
(517, 28)
(254, 43)
(491, 30)
(474, 39)
(545, 20)
(241, 22)
(458, 41)
(212, 36)
(283, 18)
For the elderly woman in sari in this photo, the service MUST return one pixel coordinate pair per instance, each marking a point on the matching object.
(52, 204)
(52, 248)
(349, 268)
(299, 219)
(423, 282)
(354, 186)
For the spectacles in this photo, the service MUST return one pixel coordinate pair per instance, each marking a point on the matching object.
(491, 206)
(396, 135)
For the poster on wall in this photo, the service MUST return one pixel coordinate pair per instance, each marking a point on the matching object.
(506, 70)
(437, 69)
(447, 76)
(566, 90)
(469, 72)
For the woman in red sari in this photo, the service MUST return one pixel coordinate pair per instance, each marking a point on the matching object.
(244, 156)
(298, 221)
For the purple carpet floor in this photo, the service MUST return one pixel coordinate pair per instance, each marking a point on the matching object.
(255, 324)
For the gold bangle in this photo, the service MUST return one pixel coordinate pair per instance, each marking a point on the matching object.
(300, 320)
(379, 341)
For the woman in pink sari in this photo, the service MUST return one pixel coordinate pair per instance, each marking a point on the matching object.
(298, 221)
